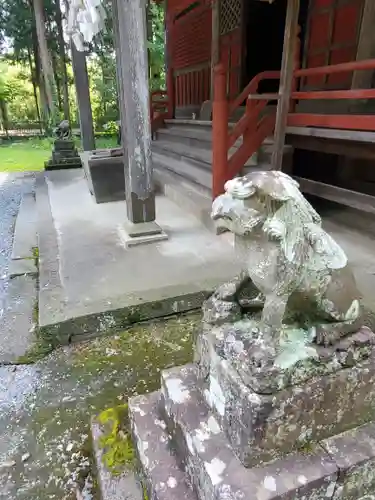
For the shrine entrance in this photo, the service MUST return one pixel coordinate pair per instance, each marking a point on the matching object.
(263, 38)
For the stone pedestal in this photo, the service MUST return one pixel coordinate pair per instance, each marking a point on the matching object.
(64, 155)
(104, 171)
(225, 429)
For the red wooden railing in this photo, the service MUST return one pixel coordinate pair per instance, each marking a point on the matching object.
(160, 108)
(254, 127)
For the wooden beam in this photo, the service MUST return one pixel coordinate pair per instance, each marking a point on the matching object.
(348, 122)
(366, 46)
(335, 134)
(353, 199)
(286, 81)
(336, 147)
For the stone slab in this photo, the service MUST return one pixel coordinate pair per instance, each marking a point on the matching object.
(262, 427)
(211, 466)
(142, 229)
(20, 267)
(105, 175)
(91, 283)
(143, 234)
(160, 472)
(65, 165)
(17, 321)
(25, 238)
(354, 453)
(113, 487)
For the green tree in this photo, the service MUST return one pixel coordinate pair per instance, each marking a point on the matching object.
(156, 45)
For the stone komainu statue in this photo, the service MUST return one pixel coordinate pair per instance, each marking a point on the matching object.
(292, 267)
(62, 131)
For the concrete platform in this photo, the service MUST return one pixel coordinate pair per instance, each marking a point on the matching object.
(91, 283)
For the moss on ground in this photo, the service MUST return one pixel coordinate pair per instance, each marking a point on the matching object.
(116, 443)
(80, 381)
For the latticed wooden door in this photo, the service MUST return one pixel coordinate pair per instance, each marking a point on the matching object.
(332, 37)
(231, 16)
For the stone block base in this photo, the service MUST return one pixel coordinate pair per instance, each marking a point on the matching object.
(73, 163)
(64, 145)
(64, 155)
(338, 395)
(105, 175)
(185, 454)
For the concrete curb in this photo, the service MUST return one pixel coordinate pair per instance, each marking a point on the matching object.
(50, 287)
(173, 300)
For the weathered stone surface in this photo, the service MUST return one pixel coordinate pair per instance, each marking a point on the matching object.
(20, 267)
(64, 155)
(162, 477)
(297, 361)
(17, 319)
(113, 487)
(106, 175)
(354, 454)
(61, 145)
(25, 238)
(263, 426)
(213, 468)
(294, 265)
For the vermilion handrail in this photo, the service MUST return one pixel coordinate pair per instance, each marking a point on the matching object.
(252, 87)
(336, 94)
(336, 68)
(254, 129)
(159, 108)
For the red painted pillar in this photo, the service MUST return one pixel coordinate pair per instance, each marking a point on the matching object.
(219, 131)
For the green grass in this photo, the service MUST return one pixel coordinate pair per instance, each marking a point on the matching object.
(30, 155)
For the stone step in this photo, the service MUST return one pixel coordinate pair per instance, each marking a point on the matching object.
(205, 124)
(195, 199)
(181, 188)
(161, 475)
(201, 156)
(190, 170)
(113, 487)
(188, 135)
(196, 134)
(211, 465)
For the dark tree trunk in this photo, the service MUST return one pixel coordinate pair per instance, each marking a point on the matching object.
(39, 80)
(34, 83)
(62, 55)
(4, 116)
(57, 81)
